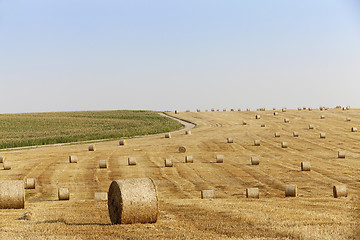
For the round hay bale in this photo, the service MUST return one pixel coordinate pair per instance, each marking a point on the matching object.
(133, 200)
(187, 110)
(277, 134)
(122, 142)
(101, 196)
(229, 140)
(348, 119)
(244, 123)
(102, 164)
(73, 159)
(274, 109)
(305, 166)
(299, 109)
(286, 120)
(232, 110)
(12, 194)
(219, 158)
(198, 110)
(256, 142)
(189, 159)
(283, 109)
(212, 110)
(295, 134)
(257, 117)
(341, 154)
(322, 117)
(167, 135)
(290, 190)
(248, 109)
(63, 194)
(207, 194)
(176, 111)
(2, 159)
(206, 110)
(252, 193)
(311, 126)
(92, 148)
(182, 149)
(276, 113)
(347, 107)
(304, 108)
(354, 129)
(284, 144)
(7, 165)
(255, 161)
(239, 110)
(262, 125)
(310, 109)
(30, 183)
(131, 161)
(188, 132)
(224, 110)
(343, 108)
(322, 135)
(168, 162)
(339, 191)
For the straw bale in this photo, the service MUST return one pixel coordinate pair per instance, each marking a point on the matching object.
(102, 164)
(305, 166)
(252, 193)
(290, 190)
(30, 183)
(122, 142)
(339, 191)
(73, 159)
(341, 154)
(63, 194)
(182, 149)
(256, 142)
(220, 158)
(168, 162)
(12, 194)
(131, 161)
(255, 161)
(101, 196)
(7, 165)
(207, 194)
(189, 159)
(92, 148)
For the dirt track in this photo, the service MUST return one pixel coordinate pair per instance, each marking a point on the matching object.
(313, 214)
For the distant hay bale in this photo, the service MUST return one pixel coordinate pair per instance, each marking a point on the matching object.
(232, 110)
(229, 140)
(12, 194)
(218, 110)
(102, 164)
(322, 117)
(101, 196)
(73, 159)
(322, 108)
(276, 113)
(7, 165)
(212, 110)
(30, 183)
(339, 191)
(248, 109)
(347, 107)
(256, 142)
(283, 109)
(295, 134)
(311, 126)
(262, 109)
(304, 108)
(284, 144)
(354, 129)
(176, 112)
(252, 193)
(224, 110)
(182, 149)
(167, 135)
(198, 110)
(290, 190)
(2, 159)
(189, 159)
(122, 142)
(131, 161)
(63, 194)
(239, 110)
(277, 134)
(133, 200)
(286, 120)
(274, 109)
(168, 162)
(92, 148)
(341, 154)
(344, 108)
(348, 119)
(299, 108)
(305, 166)
(244, 123)
(206, 110)
(207, 194)
(188, 132)
(310, 109)
(220, 158)
(322, 135)
(263, 125)
(338, 107)
(255, 160)
(187, 111)
(257, 117)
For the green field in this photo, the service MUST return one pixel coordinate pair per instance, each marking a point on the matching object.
(28, 129)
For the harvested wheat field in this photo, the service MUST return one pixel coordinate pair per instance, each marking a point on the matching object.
(313, 214)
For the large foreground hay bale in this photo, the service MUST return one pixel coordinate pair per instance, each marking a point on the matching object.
(30, 183)
(354, 129)
(7, 165)
(277, 134)
(256, 142)
(189, 159)
(92, 148)
(63, 194)
(2, 159)
(290, 190)
(73, 159)
(339, 191)
(252, 193)
(305, 166)
(341, 154)
(122, 142)
(101, 196)
(133, 200)
(12, 194)
(102, 164)
(168, 162)
(255, 160)
(295, 134)
(131, 161)
(230, 140)
(284, 144)
(322, 135)
(188, 132)
(182, 149)
(311, 126)
(167, 135)
(207, 194)
(219, 158)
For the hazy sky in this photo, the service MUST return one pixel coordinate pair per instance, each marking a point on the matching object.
(166, 55)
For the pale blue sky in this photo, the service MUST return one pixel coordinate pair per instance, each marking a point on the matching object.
(166, 55)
